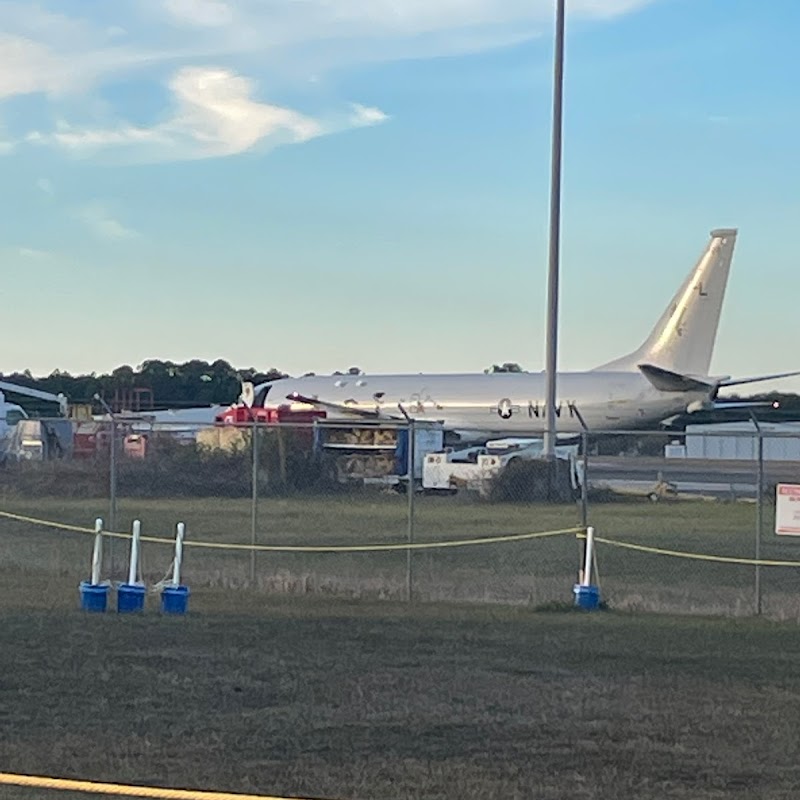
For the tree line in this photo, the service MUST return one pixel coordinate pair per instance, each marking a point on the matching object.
(154, 384)
(168, 384)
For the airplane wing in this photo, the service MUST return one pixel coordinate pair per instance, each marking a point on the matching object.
(667, 381)
(342, 408)
(756, 379)
(728, 405)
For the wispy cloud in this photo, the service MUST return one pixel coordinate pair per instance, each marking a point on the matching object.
(6, 145)
(201, 13)
(215, 113)
(204, 49)
(46, 185)
(726, 120)
(33, 253)
(42, 50)
(99, 221)
(29, 67)
(367, 115)
(693, 116)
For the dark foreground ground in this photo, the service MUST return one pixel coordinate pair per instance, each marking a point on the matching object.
(304, 698)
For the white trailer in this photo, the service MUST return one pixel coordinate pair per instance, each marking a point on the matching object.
(443, 472)
(474, 469)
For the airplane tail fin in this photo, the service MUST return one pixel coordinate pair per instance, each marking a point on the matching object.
(682, 340)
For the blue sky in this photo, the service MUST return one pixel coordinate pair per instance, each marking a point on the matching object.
(312, 184)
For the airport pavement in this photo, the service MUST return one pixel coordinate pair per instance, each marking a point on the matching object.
(692, 476)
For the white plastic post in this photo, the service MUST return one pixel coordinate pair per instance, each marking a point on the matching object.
(134, 562)
(176, 568)
(588, 556)
(97, 553)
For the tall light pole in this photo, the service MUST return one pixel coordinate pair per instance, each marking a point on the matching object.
(555, 228)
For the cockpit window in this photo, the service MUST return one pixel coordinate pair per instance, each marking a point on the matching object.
(13, 416)
(261, 395)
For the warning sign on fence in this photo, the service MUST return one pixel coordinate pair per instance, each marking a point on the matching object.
(787, 509)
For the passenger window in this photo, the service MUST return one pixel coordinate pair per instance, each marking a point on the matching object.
(13, 416)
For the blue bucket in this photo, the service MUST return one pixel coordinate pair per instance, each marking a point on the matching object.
(174, 599)
(130, 597)
(586, 597)
(94, 597)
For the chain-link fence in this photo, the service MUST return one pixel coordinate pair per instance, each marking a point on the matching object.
(690, 520)
(684, 523)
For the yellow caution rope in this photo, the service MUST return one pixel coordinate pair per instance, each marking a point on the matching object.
(752, 562)
(359, 548)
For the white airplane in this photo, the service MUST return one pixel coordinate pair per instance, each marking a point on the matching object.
(11, 413)
(666, 376)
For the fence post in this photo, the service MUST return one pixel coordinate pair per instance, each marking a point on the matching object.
(282, 456)
(254, 504)
(759, 518)
(588, 556)
(112, 481)
(97, 552)
(112, 492)
(759, 508)
(180, 532)
(585, 480)
(411, 460)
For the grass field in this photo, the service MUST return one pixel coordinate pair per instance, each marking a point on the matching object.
(530, 573)
(330, 699)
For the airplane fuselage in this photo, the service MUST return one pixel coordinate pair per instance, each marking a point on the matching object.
(496, 402)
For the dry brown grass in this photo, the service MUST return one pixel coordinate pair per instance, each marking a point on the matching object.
(356, 700)
(309, 687)
(528, 573)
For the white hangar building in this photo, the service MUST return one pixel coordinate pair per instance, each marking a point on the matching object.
(739, 441)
